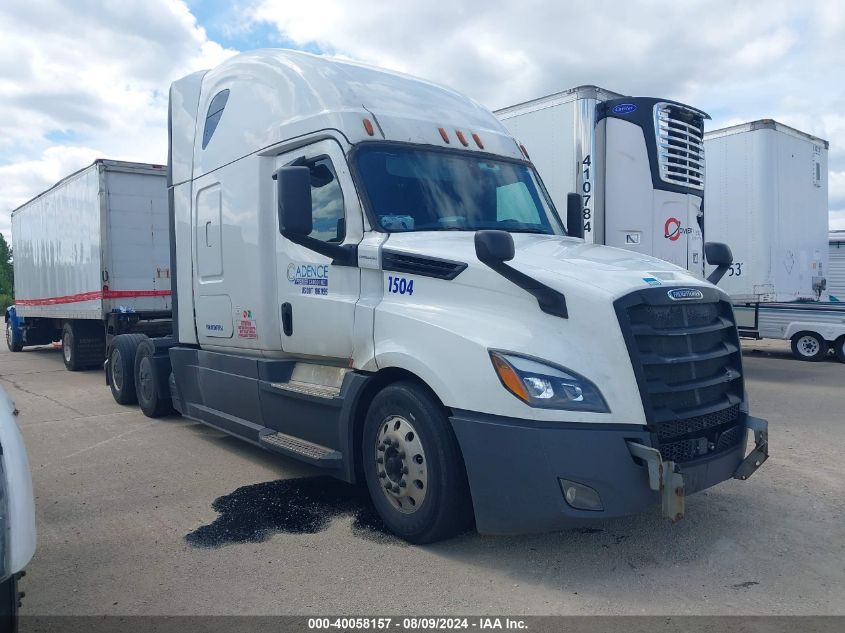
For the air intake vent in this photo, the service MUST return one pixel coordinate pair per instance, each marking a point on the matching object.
(421, 265)
(680, 144)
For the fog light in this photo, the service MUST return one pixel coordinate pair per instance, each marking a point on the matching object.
(579, 496)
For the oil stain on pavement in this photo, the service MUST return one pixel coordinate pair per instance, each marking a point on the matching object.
(252, 514)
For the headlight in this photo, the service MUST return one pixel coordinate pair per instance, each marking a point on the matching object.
(545, 386)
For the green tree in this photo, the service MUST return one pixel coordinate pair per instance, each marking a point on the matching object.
(7, 283)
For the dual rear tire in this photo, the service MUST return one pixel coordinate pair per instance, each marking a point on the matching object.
(83, 344)
(132, 375)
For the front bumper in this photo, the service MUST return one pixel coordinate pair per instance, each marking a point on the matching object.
(514, 469)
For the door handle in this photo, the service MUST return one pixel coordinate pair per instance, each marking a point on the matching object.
(287, 319)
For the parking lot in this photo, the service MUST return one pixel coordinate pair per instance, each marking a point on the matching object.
(141, 516)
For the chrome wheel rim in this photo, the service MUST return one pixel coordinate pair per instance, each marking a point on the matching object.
(808, 346)
(116, 370)
(401, 464)
(66, 347)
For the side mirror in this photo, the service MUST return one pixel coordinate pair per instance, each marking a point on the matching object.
(293, 195)
(718, 254)
(574, 215)
(494, 247)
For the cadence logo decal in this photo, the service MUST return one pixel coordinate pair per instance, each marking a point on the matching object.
(673, 229)
(685, 294)
(313, 279)
(624, 108)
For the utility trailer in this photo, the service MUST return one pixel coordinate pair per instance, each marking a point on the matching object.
(92, 260)
(637, 162)
(766, 192)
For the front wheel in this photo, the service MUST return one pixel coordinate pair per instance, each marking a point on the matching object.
(14, 343)
(809, 346)
(413, 466)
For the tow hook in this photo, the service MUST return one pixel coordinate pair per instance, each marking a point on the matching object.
(760, 453)
(663, 477)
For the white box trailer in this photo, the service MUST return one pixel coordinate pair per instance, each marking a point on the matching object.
(836, 267)
(766, 193)
(637, 162)
(91, 259)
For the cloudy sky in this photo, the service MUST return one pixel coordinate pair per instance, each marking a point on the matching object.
(89, 78)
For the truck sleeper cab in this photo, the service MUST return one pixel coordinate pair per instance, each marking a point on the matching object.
(370, 277)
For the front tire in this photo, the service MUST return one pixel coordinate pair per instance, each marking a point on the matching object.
(413, 466)
(14, 343)
(809, 346)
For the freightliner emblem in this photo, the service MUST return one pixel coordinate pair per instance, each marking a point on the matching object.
(685, 294)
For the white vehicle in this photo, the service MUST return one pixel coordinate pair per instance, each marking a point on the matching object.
(836, 267)
(766, 194)
(370, 277)
(92, 259)
(637, 162)
(17, 514)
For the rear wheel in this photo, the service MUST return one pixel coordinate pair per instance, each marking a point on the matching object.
(13, 342)
(809, 346)
(121, 367)
(839, 349)
(146, 383)
(83, 344)
(413, 466)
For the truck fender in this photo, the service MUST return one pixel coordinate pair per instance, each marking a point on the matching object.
(828, 331)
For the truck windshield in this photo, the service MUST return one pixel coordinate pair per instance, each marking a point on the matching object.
(413, 189)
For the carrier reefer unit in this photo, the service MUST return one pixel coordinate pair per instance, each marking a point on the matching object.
(92, 259)
(637, 162)
(836, 267)
(766, 193)
(370, 277)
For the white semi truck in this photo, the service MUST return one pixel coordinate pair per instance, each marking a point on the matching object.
(370, 277)
(766, 193)
(638, 163)
(91, 260)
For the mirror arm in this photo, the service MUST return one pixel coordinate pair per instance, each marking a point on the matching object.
(341, 254)
(716, 276)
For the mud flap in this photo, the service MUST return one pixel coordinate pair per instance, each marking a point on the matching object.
(664, 478)
(760, 454)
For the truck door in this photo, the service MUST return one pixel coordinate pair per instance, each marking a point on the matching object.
(317, 298)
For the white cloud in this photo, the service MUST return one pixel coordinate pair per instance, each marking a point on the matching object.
(739, 61)
(88, 79)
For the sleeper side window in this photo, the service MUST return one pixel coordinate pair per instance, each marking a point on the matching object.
(327, 210)
(215, 111)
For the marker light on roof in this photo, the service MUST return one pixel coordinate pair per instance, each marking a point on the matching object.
(477, 140)
(368, 126)
(461, 138)
(443, 134)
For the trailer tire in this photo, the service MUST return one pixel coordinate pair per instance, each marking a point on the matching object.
(121, 367)
(809, 346)
(13, 342)
(839, 349)
(83, 345)
(146, 380)
(413, 466)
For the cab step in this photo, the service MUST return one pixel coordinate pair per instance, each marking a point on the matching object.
(304, 450)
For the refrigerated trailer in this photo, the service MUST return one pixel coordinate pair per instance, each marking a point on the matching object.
(637, 162)
(369, 277)
(92, 260)
(766, 194)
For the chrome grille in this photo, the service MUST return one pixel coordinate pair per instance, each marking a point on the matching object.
(680, 144)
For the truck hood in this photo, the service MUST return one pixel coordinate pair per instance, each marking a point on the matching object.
(557, 261)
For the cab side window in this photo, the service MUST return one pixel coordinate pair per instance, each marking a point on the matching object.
(327, 210)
